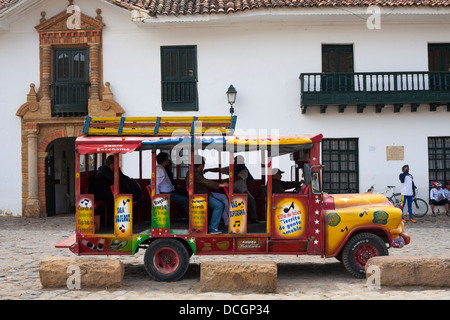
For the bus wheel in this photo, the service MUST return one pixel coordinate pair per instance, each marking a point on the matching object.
(166, 260)
(359, 249)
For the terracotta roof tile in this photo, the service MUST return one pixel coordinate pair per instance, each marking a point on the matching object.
(191, 7)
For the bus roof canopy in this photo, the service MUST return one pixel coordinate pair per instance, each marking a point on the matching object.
(127, 134)
(278, 145)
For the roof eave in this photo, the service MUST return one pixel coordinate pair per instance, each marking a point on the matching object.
(298, 14)
(15, 11)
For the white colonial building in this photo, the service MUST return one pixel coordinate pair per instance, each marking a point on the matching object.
(374, 80)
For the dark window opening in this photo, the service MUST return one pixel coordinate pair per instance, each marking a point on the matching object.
(340, 171)
(438, 160)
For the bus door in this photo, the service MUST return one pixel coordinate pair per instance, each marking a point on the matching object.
(289, 216)
(289, 223)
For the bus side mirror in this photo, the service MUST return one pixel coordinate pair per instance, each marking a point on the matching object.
(307, 173)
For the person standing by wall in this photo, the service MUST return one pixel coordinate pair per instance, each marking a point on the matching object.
(408, 188)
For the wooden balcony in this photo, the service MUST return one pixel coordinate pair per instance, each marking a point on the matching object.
(70, 99)
(375, 89)
(179, 95)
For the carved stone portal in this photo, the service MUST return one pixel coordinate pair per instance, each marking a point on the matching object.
(39, 127)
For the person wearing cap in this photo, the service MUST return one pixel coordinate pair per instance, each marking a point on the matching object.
(203, 185)
(241, 176)
(408, 190)
(437, 197)
(279, 186)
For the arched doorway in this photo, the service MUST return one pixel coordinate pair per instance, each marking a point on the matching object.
(59, 176)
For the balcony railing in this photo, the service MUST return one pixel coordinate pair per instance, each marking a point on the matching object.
(375, 88)
(179, 95)
(70, 99)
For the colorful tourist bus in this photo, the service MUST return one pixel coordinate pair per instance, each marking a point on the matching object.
(306, 221)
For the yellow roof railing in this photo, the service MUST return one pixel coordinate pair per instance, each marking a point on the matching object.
(158, 126)
(269, 141)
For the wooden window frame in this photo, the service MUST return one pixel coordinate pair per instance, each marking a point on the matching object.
(438, 159)
(340, 173)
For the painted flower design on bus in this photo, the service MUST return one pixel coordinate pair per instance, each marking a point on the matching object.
(333, 219)
(380, 217)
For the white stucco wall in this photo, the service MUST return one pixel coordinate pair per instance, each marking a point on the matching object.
(263, 60)
(19, 58)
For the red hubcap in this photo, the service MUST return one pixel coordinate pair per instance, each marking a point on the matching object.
(166, 260)
(363, 253)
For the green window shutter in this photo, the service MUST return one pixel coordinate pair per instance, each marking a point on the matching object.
(337, 59)
(70, 87)
(179, 78)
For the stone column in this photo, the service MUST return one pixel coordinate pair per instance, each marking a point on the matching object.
(33, 206)
(94, 60)
(45, 71)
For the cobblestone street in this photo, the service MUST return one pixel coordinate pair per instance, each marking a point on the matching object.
(25, 242)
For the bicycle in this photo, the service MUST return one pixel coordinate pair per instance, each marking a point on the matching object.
(419, 206)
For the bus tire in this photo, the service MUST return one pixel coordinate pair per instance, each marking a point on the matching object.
(166, 260)
(359, 249)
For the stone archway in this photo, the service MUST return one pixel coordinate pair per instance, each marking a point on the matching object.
(39, 126)
(49, 136)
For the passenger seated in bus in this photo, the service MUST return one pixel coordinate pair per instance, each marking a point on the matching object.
(241, 176)
(170, 173)
(104, 179)
(165, 185)
(279, 186)
(180, 188)
(203, 186)
(224, 199)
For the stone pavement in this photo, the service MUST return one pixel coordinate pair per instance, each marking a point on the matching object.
(24, 242)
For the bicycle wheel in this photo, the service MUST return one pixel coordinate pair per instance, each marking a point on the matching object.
(395, 201)
(419, 208)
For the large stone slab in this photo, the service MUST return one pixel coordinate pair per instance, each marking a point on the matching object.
(239, 276)
(88, 272)
(411, 271)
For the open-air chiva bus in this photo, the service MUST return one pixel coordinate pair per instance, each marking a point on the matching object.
(306, 221)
